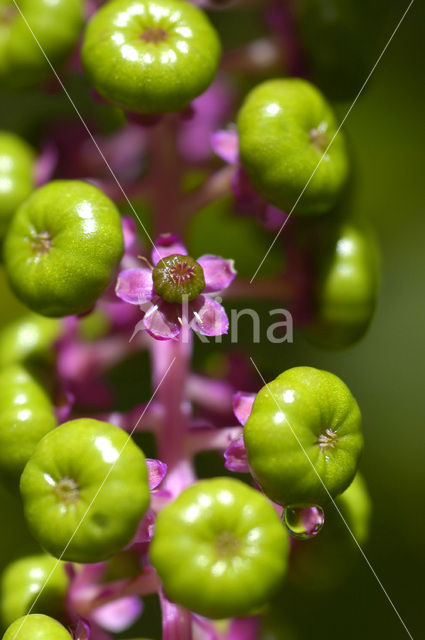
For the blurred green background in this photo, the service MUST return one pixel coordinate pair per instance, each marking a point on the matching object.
(385, 371)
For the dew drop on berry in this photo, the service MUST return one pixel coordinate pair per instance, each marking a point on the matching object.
(303, 521)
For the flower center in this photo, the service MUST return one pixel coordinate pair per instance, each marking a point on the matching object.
(319, 137)
(67, 491)
(178, 278)
(226, 544)
(154, 34)
(7, 14)
(327, 440)
(41, 242)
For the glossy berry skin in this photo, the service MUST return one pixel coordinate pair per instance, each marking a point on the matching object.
(150, 56)
(28, 339)
(356, 506)
(26, 415)
(319, 408)
(338, 44)
(64, 475)
(284, 127)
(32, 577)
(36, 627)
(177, 278)
(220, 548)
(62, 248)
(346, 289)
(56, 25)
(16, 175)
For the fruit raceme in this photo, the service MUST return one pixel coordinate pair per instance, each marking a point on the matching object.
(116, 305)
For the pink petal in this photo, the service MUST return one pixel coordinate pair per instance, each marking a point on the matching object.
(83, 581)
(118, 615)
(218, 272)
(242, 405)
(210, 111)
(167, 245)
(129, 230)
(208, 317)
(243, 629)
(156, 472)
(235, 456)
(161, 321)
(82, 630)
(135, 285)
(139, 327)
(64, 405)
(274, 218)
(145, 529)
(205, 629)
(225, 144)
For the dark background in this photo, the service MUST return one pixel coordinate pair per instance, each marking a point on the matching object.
(385, 371)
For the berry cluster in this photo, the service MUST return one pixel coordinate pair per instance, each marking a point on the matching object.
(113, 525)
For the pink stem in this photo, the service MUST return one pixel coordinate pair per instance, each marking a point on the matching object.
(212, 394)
(166, 175)
(176, 621)
(170, 362)
(213, 439)
(96, 595)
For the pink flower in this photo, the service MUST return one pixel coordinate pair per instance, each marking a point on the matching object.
(225, 144)
(235, 455)
(163, 319)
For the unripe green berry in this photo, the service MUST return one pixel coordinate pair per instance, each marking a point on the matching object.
(346, 287)
(303, 437)
(28, 339)
(178, 278)
(220, 549)
(150, 56)
(16, 175)
(356, 506)
(26, 415)
(36, 627)
(49, 30)
(85, 490)
(285, 126)
(62, 248)
(36, 582)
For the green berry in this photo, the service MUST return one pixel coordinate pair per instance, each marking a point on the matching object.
(177, 278)
(304, 429)
(56, 25)
(16, 174)
(346, 288)
(338, 44)
(26, 415)
(32, 578)
(85, 489)
(62, 248)
(355, 504)
(325, 563)
(284, 128)
(36, 627)
(220, 548)
(27, 339)
(150, 56)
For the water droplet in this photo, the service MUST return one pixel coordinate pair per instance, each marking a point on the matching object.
(303, 521)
